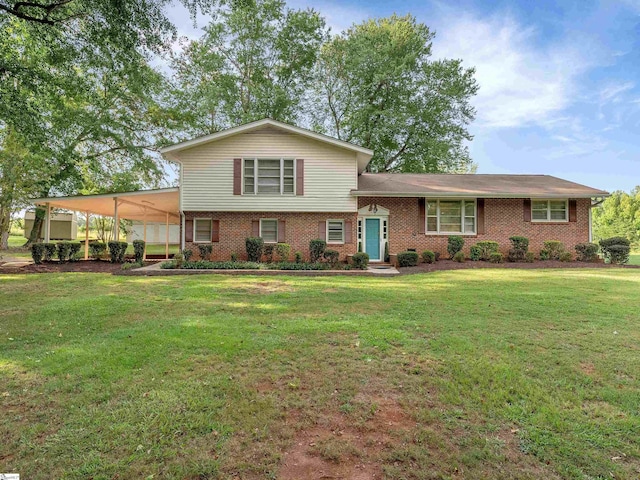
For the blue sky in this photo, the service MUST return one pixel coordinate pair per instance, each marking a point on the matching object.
(559, 81)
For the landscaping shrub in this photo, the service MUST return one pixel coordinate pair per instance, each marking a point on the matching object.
(283, 250)
(437, 256)
(268, 252)
(529, 257)
(586, 252)
(407, 259)
(254, 246)
(298, 257)
(454, 245)
(64, 251)
(234, 257)
(554, 249)
(519, 249)
(37, 252)
(209, 265)
(428, 256)
(117, 251)
(360, 260)
(299, 266)
(615, 249)
(331, 256)
(130, 265)
(566, 257)
(74, 253)
(49, 251)
(459, 257)
(205, 249)
(316, 249)
(496, 257)
(138, 250)
(97, 249)
(386, 252)
(483, 250)
(544, 254)
(187, 253)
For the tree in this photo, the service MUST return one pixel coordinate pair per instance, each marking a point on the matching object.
(619, 215)
(254, 60)
(377, 86)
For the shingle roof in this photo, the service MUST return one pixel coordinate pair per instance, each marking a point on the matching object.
(471, 185)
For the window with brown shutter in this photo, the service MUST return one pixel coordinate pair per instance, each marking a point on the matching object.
(348, 233)
(526, 209)
(480, 214)
(188, 230)
(299, 176)
(322, 230)
(573, 210)
(422, 215)
(237, 176)
(215, 231)
(281, 231)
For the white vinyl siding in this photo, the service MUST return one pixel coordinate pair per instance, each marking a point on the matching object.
(335, 231)
(202, 230)
(330, 173)
(269, 230)
(269, 176)
(549, 210)
(451, 216)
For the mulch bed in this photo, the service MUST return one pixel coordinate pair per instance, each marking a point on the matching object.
(451, 265)
(91, 266)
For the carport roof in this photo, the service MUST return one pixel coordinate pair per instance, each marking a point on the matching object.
(152, 205)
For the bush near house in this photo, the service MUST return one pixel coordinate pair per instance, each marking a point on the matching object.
(97, 249)
(566, 257)
(454, 245)
(316, 249)
(519, 249)
(616, 249)
(117, 251)
(428, 256)
(407, 259)
(187, 253)
(552, 250)
(234, 257)
(331, 256)
(298, 257)
(138, 250)
(49, 251)
(205, 250)
(496, 257)
(459, 257)
(268, 252)
(530, 257)
(254, 246)
(360, 260)
(37, 252)
(283, 250)
(483, 250)
(586, 252)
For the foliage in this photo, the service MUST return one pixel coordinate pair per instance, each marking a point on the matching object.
(566, 257)
(205, 249)
(459, 257)
(483, 250)
(187, 253)
(97, 249)
(209, 265)
(496, 257)
(131, 265)
(298, 257)
(331, 256)
(37, 252)
(254, 247)
(407, 259)
(529, 257)
(554, 249)
(234, 257)
(268, 252)
(586, 252)
(519, 249)
(428, 256)
(379, 75)
(615, 249)
(49, 251)
(283, 250)
(544, 254)
(618, 216)
(454, 245)
(117, 251)
(360, 260)
(138, 250)
(316, 249)
(299, 266)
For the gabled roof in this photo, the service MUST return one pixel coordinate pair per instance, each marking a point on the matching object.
(363, 154)
(471, 185)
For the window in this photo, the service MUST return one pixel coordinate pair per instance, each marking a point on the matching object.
(269, 176)
(269, 230)
(451, 216)
(202, 230)
(335, 231)
(549, 210)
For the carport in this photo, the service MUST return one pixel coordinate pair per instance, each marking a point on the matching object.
(160, 205)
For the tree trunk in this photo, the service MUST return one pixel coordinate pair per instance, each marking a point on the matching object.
(36, 231)
(5, 226)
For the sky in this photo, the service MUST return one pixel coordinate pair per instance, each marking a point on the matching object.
(559, 80)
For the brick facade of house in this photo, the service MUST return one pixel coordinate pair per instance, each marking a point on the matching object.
(504, 218)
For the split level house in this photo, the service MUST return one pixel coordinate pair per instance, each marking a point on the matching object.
(286, 184)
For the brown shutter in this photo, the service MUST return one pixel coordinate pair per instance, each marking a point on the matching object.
(348, 234)
(526, 209)
(188, 230)
(573, 210)
(215, 230)
(255, 228)
(237, 176)
(480, 213)
(299, 176)
(322, 230)
(422, 215)
(281, 231)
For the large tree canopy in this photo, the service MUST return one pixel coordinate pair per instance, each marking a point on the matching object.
(619, 215)
(378, 86)
(254, 60)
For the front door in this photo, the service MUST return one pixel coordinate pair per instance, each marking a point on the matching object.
(372, 238)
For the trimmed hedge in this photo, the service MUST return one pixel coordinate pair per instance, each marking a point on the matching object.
(454, 245)
(37, 252)
(298, 257)
(97, 249)
(360, 260)
(138, 250)
(496, 257)
(117, 251)
(483, 250)
(209, 265)
(254, 247)
(428, 256)
(316, 249)
(519, 249)
(49, 251)
(268, 252)
(299, 266)
(616, 249)
(552, 250)
(187, 253)
(459, 257)
(331, 256)
(283, 250)
(566, 257)
(205, 249)
(407, 259)
(586, 252)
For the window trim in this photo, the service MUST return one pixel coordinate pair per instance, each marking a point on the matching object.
(462, 216)
(277, 229)
(549, 219)
(195, 222)
(282, 193)
(333, 242)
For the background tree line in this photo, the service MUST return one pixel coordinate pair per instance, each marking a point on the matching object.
(619, 215)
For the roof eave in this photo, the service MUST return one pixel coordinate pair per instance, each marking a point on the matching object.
(358, 193)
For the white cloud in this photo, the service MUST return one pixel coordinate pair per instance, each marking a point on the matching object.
(613, 92)
(520, 83)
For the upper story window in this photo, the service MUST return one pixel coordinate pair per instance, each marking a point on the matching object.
(269, 176)
(451, 216)
(549, 210)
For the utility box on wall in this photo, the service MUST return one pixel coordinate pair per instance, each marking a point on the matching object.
(64, 226)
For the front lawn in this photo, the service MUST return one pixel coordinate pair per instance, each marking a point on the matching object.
(497, 374)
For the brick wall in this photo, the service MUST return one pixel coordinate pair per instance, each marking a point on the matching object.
(300, 229)
(503, 219)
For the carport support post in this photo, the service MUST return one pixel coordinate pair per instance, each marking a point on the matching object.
(47, 223)
(86, 237)
(144, 234)
(166, 243)
(116, 221)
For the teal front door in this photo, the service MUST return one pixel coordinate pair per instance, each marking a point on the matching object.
(372, 238)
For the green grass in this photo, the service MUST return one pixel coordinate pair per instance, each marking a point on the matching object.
(497, 374)
(634, 258)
